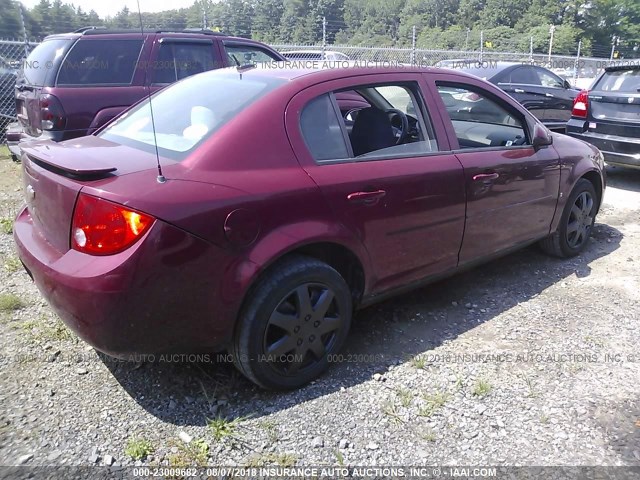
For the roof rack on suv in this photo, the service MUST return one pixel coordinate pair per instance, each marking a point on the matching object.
(87, 28)
(96, 30)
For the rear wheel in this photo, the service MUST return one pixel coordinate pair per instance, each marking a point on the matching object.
(576, 222)
(296, 317)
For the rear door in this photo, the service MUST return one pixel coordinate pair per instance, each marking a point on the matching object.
(614, 103)
(405, 202)
(512, 188)
(559, 98)
(523, 84)
(175, 58)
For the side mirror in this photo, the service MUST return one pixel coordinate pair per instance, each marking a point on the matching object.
(541, 137)
(566, 84)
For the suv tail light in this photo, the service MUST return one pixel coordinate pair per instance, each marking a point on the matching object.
(51, 113)
(581, 105)
(101, 227)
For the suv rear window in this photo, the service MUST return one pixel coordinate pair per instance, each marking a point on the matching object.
(627, 81)
(187, 112)
(41, 60)
(100, 62)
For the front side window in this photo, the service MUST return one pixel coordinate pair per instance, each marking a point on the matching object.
(393, 125)
(548, 80)
(178, 60)
(247, 55)
(480, 121)
(100, 62)
(188, 112)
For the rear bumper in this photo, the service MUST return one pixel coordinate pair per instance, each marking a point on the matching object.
(153, 298)
(616, 150)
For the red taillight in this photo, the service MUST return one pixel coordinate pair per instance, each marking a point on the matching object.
(101, 227)
(581, 105)
(51, 113)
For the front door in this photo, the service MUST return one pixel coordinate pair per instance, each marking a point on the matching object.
(512, 188)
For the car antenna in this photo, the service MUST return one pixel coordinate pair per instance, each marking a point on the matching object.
(244, 68)
(160, 178)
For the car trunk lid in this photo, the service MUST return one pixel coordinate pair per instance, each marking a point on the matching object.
(54, 173)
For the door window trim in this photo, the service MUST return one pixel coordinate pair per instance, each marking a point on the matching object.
(427, 133)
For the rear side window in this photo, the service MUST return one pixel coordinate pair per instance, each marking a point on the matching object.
(524, 76)
(41, 61)
(100, 62)
(627, 81)
(178, 60)
(322, 131)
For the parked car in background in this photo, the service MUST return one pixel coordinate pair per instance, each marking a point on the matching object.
(608, 115)
(73, 83)
(288, 198)
(313, 55)
(542, 92)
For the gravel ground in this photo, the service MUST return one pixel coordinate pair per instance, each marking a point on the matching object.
(527, 360)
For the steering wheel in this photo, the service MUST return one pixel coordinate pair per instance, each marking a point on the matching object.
(402, 132)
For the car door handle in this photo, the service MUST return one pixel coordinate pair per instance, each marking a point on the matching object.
(486, 177)
(518, 90)
(548, 95)
(368, 198)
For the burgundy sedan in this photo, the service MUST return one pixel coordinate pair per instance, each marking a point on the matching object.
(287, 199)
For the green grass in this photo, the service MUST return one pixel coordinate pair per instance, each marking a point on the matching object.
(6, 225)
(190, 454)
(222, 428)
(429, 436)
(43, 330)
(481, 388)
(391, 411)
(339, 457)
(271, 458)
(138, 448)
(10, 302)
(4, 152)
(432, 403)
(419, 362)
(271, 428)
(12, 264)
(405, 396)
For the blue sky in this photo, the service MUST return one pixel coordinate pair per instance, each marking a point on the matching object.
(110, 8)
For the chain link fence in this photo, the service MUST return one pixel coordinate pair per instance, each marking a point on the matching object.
(578, 70)
(12, 54)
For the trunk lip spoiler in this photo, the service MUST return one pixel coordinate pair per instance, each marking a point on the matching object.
(92, 170)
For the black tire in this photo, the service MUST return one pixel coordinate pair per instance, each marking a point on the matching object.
(576, 223)
(294, 319)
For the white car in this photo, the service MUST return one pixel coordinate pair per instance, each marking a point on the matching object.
(312, 55)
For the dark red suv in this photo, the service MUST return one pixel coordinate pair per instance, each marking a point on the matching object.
(73, 83)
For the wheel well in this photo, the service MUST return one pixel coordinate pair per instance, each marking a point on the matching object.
(343, 260)
(596, 181)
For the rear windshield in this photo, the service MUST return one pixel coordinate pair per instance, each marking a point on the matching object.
(627, 81)
(184, 116)
(42, 60)
(100, 62)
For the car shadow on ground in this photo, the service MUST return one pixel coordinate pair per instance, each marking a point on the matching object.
(623, 178)
(386, 334)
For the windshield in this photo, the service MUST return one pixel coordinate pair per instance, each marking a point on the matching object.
(188, 112)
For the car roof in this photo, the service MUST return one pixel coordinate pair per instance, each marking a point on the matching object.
(615, 68)
(100, 31)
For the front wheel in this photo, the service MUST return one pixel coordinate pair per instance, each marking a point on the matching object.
(576, 223)
(294, 319)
